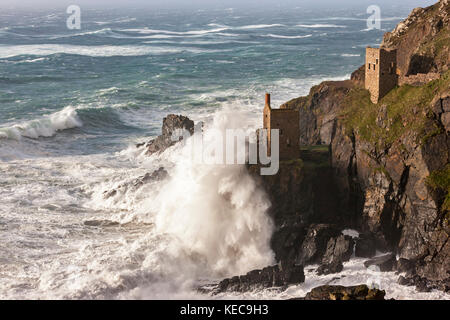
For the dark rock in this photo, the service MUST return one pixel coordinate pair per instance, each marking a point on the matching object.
(339, 249)
(361, 292)
(423, 284)
(301, 194)
(416, 31)
(403, 281)
(329, 268)
(384, 263)
(274, 276)
(365, 247)
(315, 244)
(358, 77)
(320, 110)
(157, 175)
(405, 265)
(171, 123)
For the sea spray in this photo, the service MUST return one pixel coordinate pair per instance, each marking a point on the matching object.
(210, 221)
(215, 211)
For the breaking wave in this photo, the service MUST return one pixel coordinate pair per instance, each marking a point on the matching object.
(313, 26)
(45, 127)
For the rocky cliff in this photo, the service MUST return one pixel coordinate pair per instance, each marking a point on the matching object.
(390, 161)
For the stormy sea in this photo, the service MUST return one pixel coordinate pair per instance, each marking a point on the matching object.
(75, 103)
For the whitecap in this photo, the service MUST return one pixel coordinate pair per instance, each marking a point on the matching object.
(44, 127)
(287, 37)
(313, 26)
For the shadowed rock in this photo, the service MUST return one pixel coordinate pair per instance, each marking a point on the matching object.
(365, 247)
(385, 262)
(361, 292)
(339, 249)
(273, 276)
(315, 244)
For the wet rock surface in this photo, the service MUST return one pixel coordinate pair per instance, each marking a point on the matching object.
(339, 249)
(365, 247)
(273, 276)
(157, 175)
(171, 124)
(360, 292)
(383, 263)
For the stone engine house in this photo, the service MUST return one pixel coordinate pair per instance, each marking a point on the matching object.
(381, 72)
(287, 121)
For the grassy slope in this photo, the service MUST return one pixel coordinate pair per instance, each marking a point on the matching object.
(407, 109)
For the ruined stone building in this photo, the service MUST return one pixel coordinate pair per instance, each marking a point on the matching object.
(381, 72)
(288, 123)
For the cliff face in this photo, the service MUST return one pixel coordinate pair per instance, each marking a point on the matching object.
(301, 194)
(422, 40)
(391, 160)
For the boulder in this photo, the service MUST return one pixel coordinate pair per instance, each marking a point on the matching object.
(360, 292)
(385, 262)
(339, 249)
(171, 123)
(315, 244)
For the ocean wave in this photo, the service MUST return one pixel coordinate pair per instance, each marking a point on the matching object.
(287, 37)
(92, 51)
(23, 61)
(259, 26)
(182, 33)
(101, 31)
(45, 127)
(357, 19)
(125, 20)
(217, 28)
(350, 55)
(108, 91)
(314, 26)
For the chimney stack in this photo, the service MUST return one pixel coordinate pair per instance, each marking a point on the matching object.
(268, 99)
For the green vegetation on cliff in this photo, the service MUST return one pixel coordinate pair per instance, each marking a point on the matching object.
(403, 110)
(440, 179)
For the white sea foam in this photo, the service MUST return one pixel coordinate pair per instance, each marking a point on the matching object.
(287, 37)
(350, 55)
(124, 20)
(218, 29)
(180, 33)
(92, 51)
(259, 26)
(314, 26)
(44, 127)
